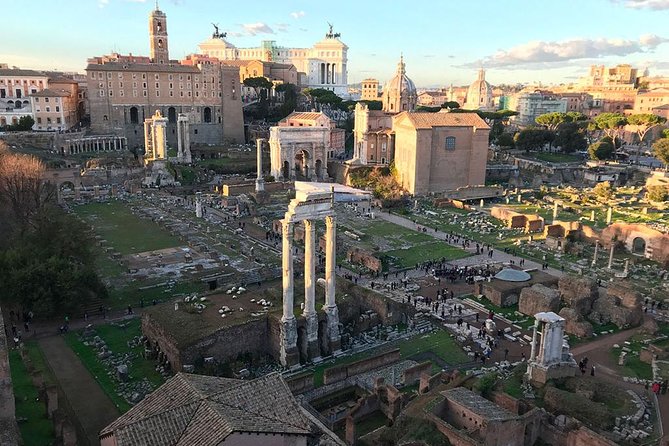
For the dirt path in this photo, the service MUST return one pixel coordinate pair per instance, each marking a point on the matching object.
(91, 405)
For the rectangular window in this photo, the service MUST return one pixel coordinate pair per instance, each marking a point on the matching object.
(57, 108)
(157, 93)
(120, 93)
(134, 93)
(169, 77)
(144, 93)
(46, 99)
(120, 85)
(36, 99)
(157, 85)
(111, 93)
(157, 77)
(450, 143)
(58, 120)
(134, 75)
(108, 75)
(120, 75)
(48, 120)
(39, 120)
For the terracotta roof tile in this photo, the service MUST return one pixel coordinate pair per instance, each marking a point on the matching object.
(197, 410)
(429, 120)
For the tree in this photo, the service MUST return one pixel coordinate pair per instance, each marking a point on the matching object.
(602, 149)
(665, 133)
(259, 84)
(611, 124)
(570, 137)
(532, 139)
(505, 140)
(23, 192)
(323, 96)
(552, 120)
(289, 99)
(603, 191)
(657, 193)
(644, 122)
(450, 105)
(373, 105)
(426, 109)
(661, 150)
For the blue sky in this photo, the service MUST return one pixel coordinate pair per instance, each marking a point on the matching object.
(443, 41)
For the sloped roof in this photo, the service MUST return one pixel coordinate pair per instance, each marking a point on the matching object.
(306, 116)
(20, 72)
(197, 410)
(512, 275)
(428, 120)
(47, 93)
(131, 66)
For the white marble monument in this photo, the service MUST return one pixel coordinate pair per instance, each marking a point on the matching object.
(549, 357)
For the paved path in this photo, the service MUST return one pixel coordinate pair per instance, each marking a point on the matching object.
(481, 259)
(91, 405)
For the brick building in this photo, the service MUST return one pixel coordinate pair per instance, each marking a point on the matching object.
(125, 90)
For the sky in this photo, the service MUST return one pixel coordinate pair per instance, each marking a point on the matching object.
(443, 41)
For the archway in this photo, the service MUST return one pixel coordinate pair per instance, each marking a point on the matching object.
(134, 115)
(318, 169)
(639, 246)
(207, 114)
(3, 122)
(285, 170)
(302, 165)
(172, 115)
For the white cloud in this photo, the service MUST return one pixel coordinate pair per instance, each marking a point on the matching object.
(281, 27)
(253, 29)
(297, 14)
(647, 4)
(102, 3)
(540, 54)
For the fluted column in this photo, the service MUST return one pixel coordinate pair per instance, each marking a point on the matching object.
(330, 260)
(287, 261)
(309, 268)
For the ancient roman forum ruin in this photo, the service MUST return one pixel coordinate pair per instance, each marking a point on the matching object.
(549, 356)
(183, 139)
(306, 208)
(155, 138)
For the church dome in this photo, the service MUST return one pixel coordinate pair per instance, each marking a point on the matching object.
(399, 94)
(479, 94)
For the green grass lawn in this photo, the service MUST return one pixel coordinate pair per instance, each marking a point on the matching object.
(438, 342)
(633, 365)
(556, 157)
(116, 339)
(427, 251)
(123, 230)
(37, 429)
(133, 295)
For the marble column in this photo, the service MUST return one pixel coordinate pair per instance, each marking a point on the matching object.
(611, 255)
(287, 262)
(260, 182)
(309, 312)
(609, 215)
(555, 212)
(533, 350)
(594, 258)
(330, 307)
(288, 354)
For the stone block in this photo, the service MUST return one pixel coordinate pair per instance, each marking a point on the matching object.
(578, 292)
(574, 323)
(537, 299)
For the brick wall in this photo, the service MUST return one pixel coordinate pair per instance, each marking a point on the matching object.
(412, 374)
(339, 373)
(300, 383)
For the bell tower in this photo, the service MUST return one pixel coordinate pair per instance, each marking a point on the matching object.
(158, 36)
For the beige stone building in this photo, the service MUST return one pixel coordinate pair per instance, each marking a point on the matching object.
(54, 110)
(437, 152)
(125, 90)
(432, 152)
(321, 66)
(370, 90)
(646, 101)
(276, 73)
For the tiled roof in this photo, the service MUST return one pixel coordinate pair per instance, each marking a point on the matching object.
(19, 72)
(129, 66)
(477, 404)
(306, 116)
(46, 93)
(441, 119)
(197, 410)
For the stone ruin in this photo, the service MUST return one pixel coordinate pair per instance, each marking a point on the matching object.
(584, 304)
(549, 357)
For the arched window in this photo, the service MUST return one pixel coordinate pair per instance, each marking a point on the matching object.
(160, 43)
(134, 115)
(159, 26)
(450, 143)
(207, 114)
(171, 115)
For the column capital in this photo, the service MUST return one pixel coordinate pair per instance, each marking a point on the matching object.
(330, 220)
(287, 228)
